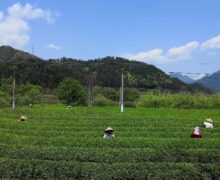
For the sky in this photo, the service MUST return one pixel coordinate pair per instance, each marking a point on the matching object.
(175, 36)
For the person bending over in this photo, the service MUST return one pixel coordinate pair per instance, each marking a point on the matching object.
(208, 123)
(196, 133)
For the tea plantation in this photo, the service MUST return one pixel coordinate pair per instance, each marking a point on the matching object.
(57, 143)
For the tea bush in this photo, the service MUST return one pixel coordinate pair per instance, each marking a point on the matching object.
(179, 100)
(57, 143)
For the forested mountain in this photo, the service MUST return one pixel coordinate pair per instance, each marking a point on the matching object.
(8, 54)
(105, 72)
(212, 82)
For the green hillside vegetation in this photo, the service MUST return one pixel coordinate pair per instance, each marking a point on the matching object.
(104, 72)
(25, 93)
(8, 53)
(56, 143)
(179, 100)
(71, 92)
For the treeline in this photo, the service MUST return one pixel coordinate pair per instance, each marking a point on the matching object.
(71, 92)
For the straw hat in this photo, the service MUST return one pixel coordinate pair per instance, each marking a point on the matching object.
(209, 120)
(109, 129)
(23, 117)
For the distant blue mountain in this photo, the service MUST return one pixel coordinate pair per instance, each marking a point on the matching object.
(183, 78)
(212, 82)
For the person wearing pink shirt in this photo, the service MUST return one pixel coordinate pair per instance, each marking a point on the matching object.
(196, 133)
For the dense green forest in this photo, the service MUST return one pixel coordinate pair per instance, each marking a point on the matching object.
(103, 72)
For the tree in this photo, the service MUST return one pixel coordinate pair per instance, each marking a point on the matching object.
(109, 93)
(71, 91)
(24, 93)
(131, 94)
(132, 81)
(28, 94)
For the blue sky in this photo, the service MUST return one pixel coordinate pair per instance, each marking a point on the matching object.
(177, 36)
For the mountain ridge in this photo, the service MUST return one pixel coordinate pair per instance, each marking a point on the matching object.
(105, 72)
(212, 81)
(8, 53)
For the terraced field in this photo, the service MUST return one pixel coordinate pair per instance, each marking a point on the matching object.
(149, 144)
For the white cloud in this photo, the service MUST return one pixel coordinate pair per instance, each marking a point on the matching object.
(213, 43)
(28, 12)
(14, 27)
(52, 46)
(157, 56)
(152, 55)
(182, 52)
(199, 76)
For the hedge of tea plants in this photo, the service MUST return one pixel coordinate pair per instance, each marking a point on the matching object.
(60, 143)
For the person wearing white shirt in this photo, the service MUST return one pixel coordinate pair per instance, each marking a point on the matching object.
(208, 123)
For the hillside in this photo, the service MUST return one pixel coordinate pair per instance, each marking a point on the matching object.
(211, 82)
(8, 53)
(105, 72)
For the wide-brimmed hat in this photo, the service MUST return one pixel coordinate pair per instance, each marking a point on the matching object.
(109, 129)
(209, 120)
(23, 117)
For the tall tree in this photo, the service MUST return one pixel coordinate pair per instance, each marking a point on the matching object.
(71, 92)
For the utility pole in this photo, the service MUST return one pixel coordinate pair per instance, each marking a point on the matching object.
(90, 94)
(122, 93)
(92, 78)
(13, 90)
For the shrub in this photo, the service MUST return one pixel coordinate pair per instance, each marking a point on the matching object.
(129, 104)
(103, 101)
(109, 93)
(4, 99)
(131, 94)
(25, 93)
(180, 100)
(28, 94)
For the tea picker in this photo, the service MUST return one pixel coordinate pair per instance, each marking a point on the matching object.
(108, 133)
(22, 119)
(196, 133)
(208, 123)
(68, 107)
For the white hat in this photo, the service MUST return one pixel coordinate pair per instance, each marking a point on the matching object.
(209, 120)
(24, 117)
(196, 127)
(109, 129)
